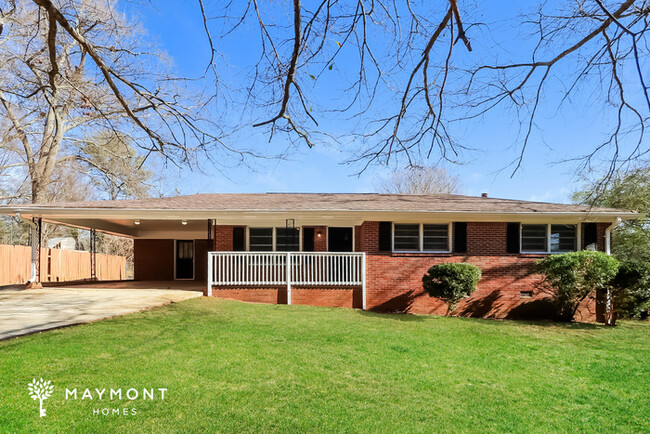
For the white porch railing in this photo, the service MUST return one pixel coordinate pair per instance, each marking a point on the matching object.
(291, 268)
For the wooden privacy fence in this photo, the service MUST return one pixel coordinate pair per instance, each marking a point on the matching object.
(57, 265)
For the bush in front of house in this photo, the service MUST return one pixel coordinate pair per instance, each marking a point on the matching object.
(570, 277)
(451, 282)
(631, 290)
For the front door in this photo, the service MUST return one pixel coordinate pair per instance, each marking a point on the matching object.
(184, 259)
(340, 240)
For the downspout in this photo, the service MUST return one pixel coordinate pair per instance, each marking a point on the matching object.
(609, 314)
(32, 225)
(608, 235)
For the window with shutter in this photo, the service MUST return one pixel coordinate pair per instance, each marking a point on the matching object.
(409, 237)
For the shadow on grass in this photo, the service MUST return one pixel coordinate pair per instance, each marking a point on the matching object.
(406, 317)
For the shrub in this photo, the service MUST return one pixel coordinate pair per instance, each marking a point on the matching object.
(571, 277)
(631, 290)
(451, 282)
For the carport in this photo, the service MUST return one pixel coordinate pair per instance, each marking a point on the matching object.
(177, 241)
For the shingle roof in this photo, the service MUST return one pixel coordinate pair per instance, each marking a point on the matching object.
(330, 202)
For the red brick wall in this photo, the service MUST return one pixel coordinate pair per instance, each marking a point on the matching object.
(268, 295)
(153, 259)
(357, 238)
(327, 297)
(369, 237)
(394, 280)
(600, 234)
(223, 238)
(312, 296)
(394, 284)
(487, 238)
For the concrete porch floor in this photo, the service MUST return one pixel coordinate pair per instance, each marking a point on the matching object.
(25, 311)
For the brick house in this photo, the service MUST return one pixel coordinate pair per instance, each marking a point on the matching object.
(365, 251)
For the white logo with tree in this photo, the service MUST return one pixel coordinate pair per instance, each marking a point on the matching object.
(40, 390)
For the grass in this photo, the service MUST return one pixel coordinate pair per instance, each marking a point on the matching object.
(231, 366)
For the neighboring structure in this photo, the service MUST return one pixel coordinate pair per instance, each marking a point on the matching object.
(64, 243)
(349, 250)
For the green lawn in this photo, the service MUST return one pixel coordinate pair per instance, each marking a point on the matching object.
(231, 366)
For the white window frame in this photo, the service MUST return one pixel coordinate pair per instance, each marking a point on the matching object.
(548, 239)
(421, 238)
(274, 236)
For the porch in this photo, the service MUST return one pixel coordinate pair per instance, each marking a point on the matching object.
(284, 275)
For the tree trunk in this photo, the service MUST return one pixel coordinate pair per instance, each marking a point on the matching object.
(38, 191)
(610, 315)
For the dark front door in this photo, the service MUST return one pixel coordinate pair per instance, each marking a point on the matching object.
(184, 259)
(339, 240)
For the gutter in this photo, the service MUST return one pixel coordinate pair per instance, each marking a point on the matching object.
(608, 235)
(206, 213)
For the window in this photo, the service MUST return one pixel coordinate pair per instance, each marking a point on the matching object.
(533, 238)
(421, 238)
(407, 237)
(274, 239)
(287, 239)
(549, 238)
(261, 239)
(563, 238)
(436, 237)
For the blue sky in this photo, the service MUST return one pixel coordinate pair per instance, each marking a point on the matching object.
(176, 26)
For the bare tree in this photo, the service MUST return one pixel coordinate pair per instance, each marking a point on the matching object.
(420, 180)
(413, 73)
(412, 77)
(76, 67)
(114, 166)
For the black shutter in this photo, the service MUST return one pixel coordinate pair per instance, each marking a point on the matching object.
(307, 239)
(385, 236)
(513, 237)
(238, 239)
(460, 237)
(591, 234)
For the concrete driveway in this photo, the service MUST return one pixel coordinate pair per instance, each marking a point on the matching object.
(28, 311)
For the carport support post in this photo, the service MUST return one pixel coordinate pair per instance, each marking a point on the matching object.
(93, 254)
(35, 279)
